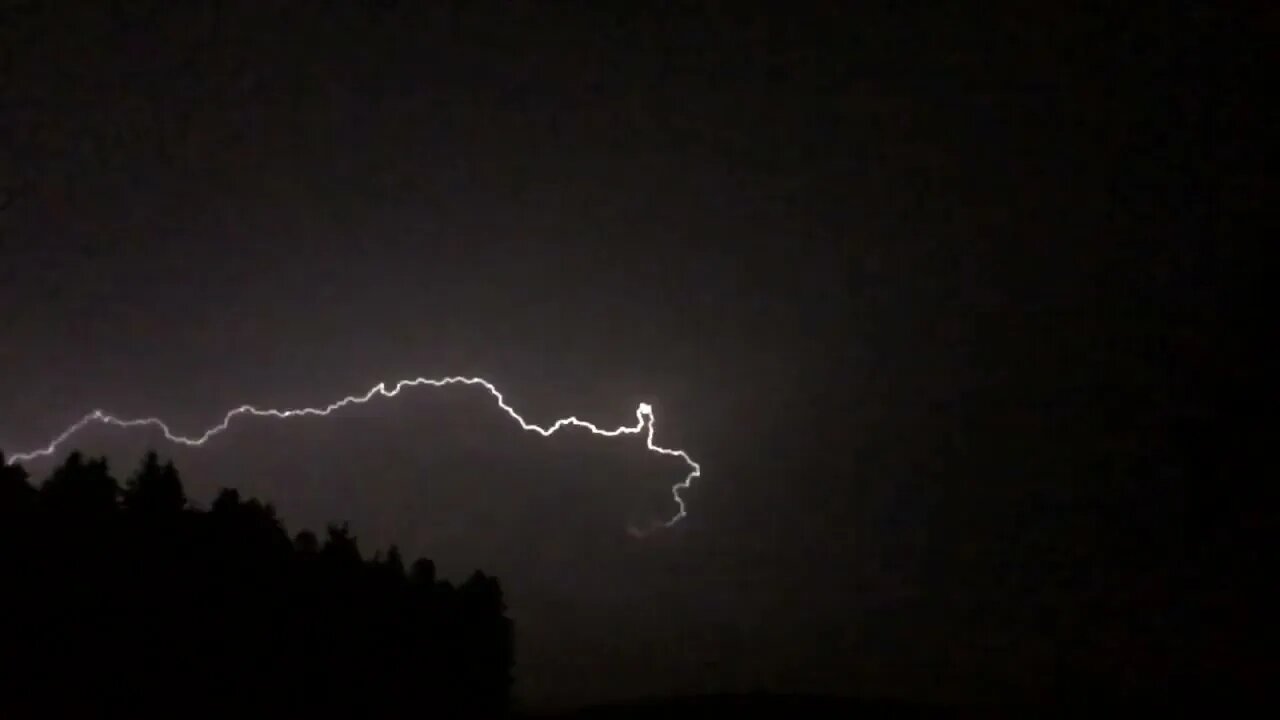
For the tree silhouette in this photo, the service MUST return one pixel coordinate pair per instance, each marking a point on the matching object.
(131, 597)
(423, 573)
(154, 489)
(81, 487)
(16, 494)
(394, 563)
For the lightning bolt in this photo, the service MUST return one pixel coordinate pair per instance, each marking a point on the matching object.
(644, 424)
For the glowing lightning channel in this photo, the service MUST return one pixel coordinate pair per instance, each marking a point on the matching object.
(644, 419)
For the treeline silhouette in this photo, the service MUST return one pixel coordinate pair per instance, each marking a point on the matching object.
(126, 595)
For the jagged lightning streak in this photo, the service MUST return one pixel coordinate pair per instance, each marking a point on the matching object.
(644, 421)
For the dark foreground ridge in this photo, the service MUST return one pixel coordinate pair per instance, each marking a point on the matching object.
(119, 597)
(785, 705)
(766, 705)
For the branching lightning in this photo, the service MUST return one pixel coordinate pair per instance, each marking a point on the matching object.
(644, 424)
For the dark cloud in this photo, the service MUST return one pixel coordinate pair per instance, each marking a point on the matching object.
(927, 294)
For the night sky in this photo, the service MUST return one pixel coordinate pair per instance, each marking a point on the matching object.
(948, 305)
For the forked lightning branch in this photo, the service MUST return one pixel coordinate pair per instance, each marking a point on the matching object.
(644, 425)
